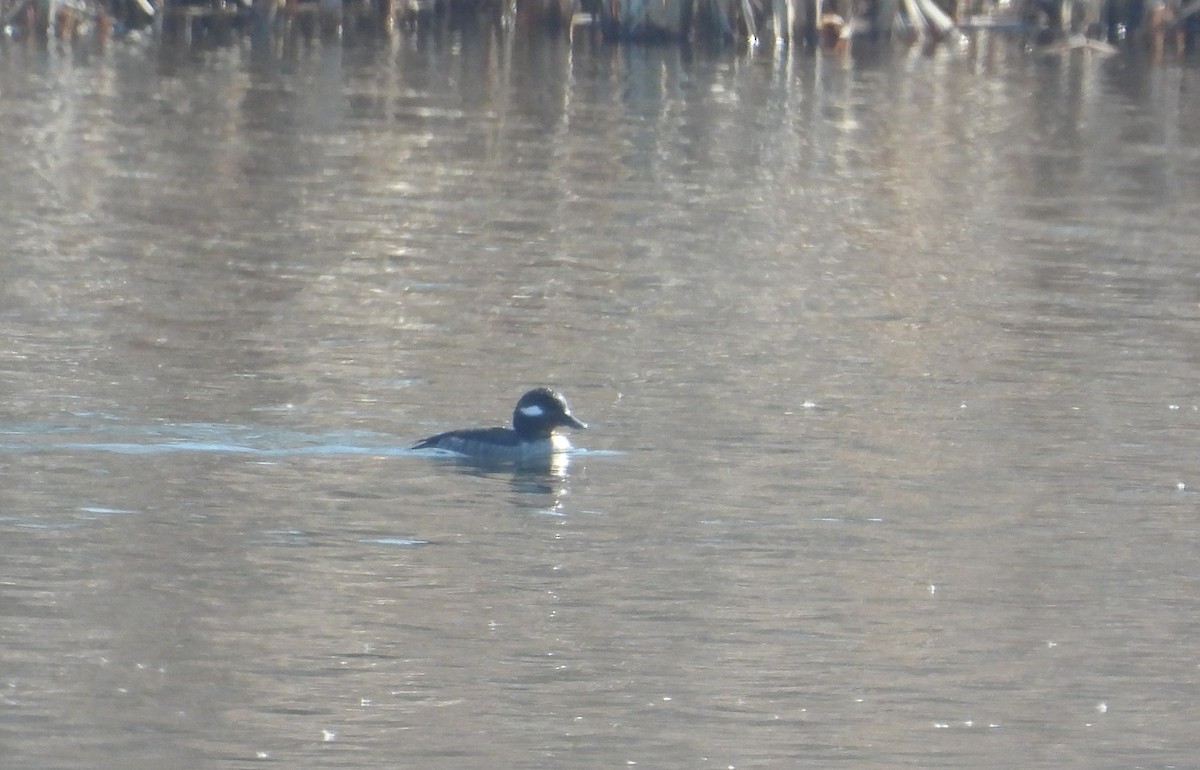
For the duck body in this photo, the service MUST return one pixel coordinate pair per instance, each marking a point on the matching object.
(534, 436)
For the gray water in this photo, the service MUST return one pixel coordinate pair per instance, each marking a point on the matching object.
(890, 361)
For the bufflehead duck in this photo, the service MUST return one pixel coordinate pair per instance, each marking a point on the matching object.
(532, 438)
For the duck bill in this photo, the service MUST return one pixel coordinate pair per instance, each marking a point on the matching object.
(570, 422)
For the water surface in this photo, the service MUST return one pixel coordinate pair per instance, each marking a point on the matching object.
(889, 359)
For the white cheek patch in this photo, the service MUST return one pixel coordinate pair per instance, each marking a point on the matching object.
(532, 411)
